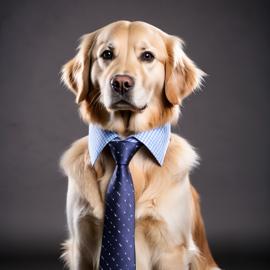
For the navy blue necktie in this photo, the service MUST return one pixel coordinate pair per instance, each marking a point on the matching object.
(118, 241)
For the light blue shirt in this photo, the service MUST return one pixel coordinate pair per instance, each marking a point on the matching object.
(155, 140)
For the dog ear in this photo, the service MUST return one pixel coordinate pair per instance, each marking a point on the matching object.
(76, 72)
(182, 75)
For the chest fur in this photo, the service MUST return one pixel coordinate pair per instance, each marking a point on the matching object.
(162, 193)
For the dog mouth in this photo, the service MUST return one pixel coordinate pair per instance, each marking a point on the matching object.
(123, 105)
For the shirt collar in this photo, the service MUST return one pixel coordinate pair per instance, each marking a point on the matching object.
(155, 140)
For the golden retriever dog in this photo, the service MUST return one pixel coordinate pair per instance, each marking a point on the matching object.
(169, 230)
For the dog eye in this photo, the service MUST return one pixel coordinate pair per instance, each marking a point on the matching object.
(147, 56)
(107, 55)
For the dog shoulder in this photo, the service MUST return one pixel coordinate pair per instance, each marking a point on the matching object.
(75, 158)
(75, 164)
(182, 153)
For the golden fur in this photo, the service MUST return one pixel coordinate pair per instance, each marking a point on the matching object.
(169, 228)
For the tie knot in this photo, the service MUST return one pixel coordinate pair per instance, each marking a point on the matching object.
(123, 151)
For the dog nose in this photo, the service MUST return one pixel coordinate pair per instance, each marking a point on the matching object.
(122, 83)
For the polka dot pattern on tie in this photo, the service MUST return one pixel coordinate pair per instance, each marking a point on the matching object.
(118, 243)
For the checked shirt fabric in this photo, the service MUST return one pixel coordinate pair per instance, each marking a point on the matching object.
(156, 140)
(118, 243)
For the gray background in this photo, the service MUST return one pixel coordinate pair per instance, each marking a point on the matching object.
(228, 122)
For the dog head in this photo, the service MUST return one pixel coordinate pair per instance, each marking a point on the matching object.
(130, 77)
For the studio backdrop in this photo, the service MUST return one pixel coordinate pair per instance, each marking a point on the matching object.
(227, 121)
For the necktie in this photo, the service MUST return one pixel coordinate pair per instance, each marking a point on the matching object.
(118, 244)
